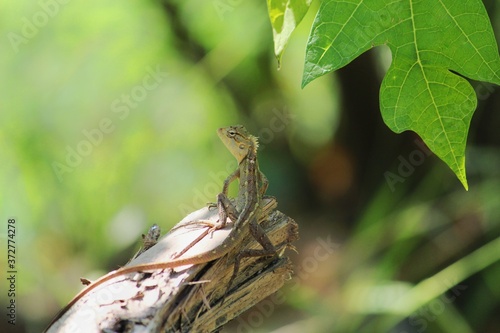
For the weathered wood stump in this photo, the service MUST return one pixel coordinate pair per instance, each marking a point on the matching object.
(187, 298)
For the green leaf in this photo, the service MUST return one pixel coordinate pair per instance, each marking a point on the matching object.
(285, 15)
(429, 41)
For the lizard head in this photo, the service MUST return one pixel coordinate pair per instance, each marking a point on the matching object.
(238, 141)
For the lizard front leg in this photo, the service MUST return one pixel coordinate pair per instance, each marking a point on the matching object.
(231, 178)
(223, 205)
(226, 209)
(225, 187)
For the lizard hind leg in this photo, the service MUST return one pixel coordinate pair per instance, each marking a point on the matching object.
(268, 249)
(236, 268)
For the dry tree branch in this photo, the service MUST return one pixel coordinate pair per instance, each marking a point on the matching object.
(187, 298)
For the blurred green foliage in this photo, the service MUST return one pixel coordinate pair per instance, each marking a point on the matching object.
(108, 115)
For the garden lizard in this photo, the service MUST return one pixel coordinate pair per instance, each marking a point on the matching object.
(252, 186)
(148, 240)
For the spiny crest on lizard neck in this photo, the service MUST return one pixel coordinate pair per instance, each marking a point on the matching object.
(255, 143)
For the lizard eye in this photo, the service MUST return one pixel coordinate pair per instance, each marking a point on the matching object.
(231, 133)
